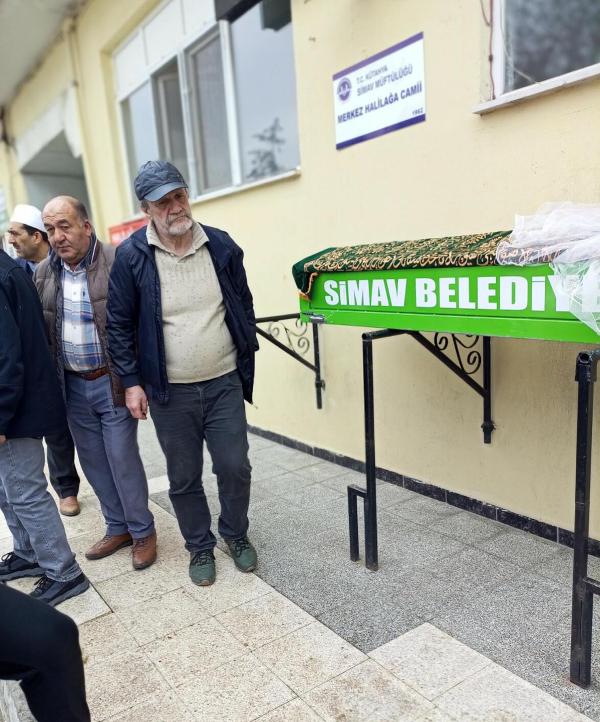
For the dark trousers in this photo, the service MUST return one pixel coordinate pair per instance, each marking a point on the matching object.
(40, 647)
(61, 464)
(213, 411)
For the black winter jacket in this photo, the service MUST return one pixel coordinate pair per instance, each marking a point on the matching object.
(134, 313)
(31, 404)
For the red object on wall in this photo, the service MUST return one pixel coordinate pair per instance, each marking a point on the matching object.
(117, 234)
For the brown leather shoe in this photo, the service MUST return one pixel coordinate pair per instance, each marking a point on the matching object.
(69, 506)
(108, 545)
(143, 553)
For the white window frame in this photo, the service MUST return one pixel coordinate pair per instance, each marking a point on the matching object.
(552, 85)
(182, 51)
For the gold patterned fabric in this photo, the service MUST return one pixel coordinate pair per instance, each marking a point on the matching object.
(473, 250)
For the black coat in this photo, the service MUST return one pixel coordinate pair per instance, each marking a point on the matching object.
(31, 404)
(134, 313)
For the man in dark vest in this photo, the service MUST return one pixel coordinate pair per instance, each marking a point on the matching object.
(27, 235)
(73, 286)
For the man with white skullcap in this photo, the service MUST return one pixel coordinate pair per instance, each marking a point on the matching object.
(27, 235)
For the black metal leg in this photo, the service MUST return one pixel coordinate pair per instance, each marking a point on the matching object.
(319, 383)
(488, 424)
(371, 561)
(353, 522)
(583, 598)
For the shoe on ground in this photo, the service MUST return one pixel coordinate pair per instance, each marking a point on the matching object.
(69, 506)
(108, 545)
(243, 553)
(13, 566)
(202, 568)
(143, 553)
(52, 592)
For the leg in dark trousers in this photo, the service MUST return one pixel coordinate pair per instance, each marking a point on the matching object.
(61, 464)
(40, 647)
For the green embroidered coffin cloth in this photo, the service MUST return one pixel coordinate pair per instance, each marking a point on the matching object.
(473, 250)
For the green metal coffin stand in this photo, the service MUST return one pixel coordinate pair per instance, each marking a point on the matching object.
(398, 289)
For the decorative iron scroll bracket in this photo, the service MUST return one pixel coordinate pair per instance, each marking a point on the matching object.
(464, 368)
(297, 346)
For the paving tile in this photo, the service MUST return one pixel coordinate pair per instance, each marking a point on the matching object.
(160, 708)
(369, 627)
(423, 510)
(263, 469)
(308, 496)
(428, 660)
(13, 704)
(99, 570)
(231, 588)
(241, 691)
(473, 570)
(412, 545)
(469, 528)
(496, 694)
(158, 617)
(526, 614)
(368, 692)
(560, 566)
(183, 655)
(119, 683)
(321, 471)
(282, 483)
(295, 711)
(520, 548)
(84, 607)
(102, 637)
(128, 589)
(290, 459)
(308, 657)
(158, 483)
(264, 619)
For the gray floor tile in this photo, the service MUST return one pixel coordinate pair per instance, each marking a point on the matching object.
(474, 569)
(521, 548)
(423, 510)
(469, 528)
(370, 627)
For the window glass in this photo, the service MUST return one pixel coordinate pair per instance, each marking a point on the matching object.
(211, 117)
(547, 38)
(170, 117)
(140, 128)
(265, 84)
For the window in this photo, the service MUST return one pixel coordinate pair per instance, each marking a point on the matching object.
(267, 110)
(217, 99)
(536, 40)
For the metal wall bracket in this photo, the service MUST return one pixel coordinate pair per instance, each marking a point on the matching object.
(298, 344)
(463, 368)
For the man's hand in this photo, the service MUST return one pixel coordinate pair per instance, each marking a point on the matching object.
(137, 402)
(2, 439)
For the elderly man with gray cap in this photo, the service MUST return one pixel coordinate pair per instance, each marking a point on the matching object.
(182, 338)
(27, 235)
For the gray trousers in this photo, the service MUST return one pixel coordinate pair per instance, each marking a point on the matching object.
(213, 411)
(106, 439)
(30, 512)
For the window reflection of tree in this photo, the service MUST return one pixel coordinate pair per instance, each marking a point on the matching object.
(547, 38)
(263, 160)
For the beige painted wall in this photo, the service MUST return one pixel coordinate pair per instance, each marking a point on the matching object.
(455, 173)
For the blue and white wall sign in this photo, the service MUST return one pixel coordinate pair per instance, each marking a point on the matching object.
(382, 93)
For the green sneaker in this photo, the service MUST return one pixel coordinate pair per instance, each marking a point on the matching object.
(202, 568)
(243, 553)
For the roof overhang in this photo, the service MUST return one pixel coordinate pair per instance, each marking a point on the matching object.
(28, 30)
